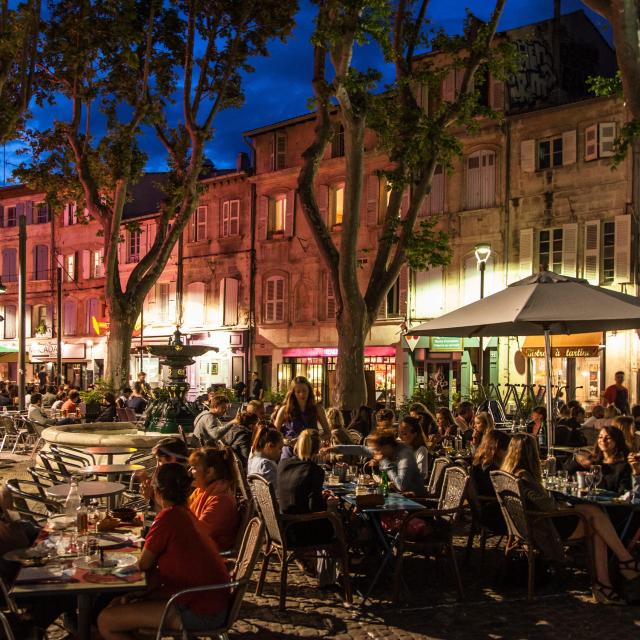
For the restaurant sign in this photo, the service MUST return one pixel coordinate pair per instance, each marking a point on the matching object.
(446, 343)
(49, 351)
(562, 352)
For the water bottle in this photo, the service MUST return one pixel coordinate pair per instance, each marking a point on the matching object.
(72, 503)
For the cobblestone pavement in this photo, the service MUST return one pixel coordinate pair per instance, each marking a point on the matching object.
(562, 609)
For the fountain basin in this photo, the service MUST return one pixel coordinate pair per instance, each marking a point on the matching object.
(101, 434)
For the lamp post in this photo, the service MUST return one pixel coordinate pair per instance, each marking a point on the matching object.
(22, 304)
(483, 253)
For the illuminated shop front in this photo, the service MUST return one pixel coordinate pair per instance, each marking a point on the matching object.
(318, 365)
(576, 365)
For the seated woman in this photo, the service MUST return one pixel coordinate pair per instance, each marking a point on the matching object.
(447, 428)
(536, 426)
(361, 421)
(177, 555)
(627, 425)
(213, 500)
(523, 461)
(108, 410)
(610, 451)
(482, 424)
(266, 450)
(410, 433)
(488, 458)
(427, 419)
(300, 482)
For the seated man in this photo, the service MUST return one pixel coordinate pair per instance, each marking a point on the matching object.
(36, 414)
(207, 426)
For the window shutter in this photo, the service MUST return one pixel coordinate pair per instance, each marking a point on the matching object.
(226, 206)
(591, 270)
(234, 217)
(591, 143)
(1, 216)
(192, 226)
(373, 189)
(428, 296)
(172, 303)
(28, 211)
(196, 304)
(230, 297)
(606, 139)
(85, 257)
(474, 184)
(528, 156)
(403, 291)
(622, 255)
(526, 252)
(488, 179)
(279, 300)
(269, 300)
(449, 86)
(289, 214)
(330, 307)
(272, 152)
(75, 266)
(281, 150)
(263, 214)
(569, 249)
(459, 77)
(322, 194)
(150, 305)
(69, 318)
(100, 265)
(569, 147)
(496, 88)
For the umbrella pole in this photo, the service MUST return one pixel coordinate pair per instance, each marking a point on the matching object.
(547, 355)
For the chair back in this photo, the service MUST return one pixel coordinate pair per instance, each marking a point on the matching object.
(76, 457)
(122, 414)
(454, 488)
(239, 476)
(6, 627)
(355, 435)
(28, 501)
(510, 496)
(437, 476)
(267, 507)
(243, 568)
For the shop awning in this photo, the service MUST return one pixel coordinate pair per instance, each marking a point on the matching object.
(576, 345)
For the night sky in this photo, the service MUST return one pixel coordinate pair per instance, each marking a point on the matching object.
(280, 86)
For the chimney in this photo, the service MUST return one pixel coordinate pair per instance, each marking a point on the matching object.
(242, 161)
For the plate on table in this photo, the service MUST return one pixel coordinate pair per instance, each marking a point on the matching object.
(61, 522)
(109, 564)
(111, 539)
(31, 557)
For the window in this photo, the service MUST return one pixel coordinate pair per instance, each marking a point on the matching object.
(608, 252)
(196, 304)
(134, 238)
(337, 143)
(92, 310)
(230, 218)
(599, 140)
(41, 320)
(550, 250)
(274, 299)
(229, 299)
(70, 214)
(278, 151)
(40, 262)
(10, 265)
(481, 180)
(69, 315)
(277, 214)
(96, 265)
(550, 153)
(70, 268)
(163, 301)
(336, 205)
(10, 322)
(12, 216)
(330, 299)
(42, 213)
(198, 226)
(392, 304)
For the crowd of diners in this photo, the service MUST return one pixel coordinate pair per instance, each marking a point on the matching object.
(193, 494)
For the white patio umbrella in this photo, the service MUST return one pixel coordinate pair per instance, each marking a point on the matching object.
(545, 303)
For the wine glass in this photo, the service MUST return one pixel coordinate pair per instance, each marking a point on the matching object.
(588, 482)
(93, 514)
(596, 471)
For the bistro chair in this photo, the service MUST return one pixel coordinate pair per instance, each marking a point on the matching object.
(521, 523)
(6, 627)
(240, 576)
(436, 479)
(437, 537)
(28, 501)
(15, 435)
(277, 543)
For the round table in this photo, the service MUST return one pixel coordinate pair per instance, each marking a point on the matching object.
(110, 451)
(110, 469)
(88, 489)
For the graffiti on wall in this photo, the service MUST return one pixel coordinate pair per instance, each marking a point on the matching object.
(535, 79)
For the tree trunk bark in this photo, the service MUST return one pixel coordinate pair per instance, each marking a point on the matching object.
(122, 320)
(350, 389)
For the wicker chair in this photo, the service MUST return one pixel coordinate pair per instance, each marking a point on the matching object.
(276, 527)
(480, 521)
(438, 539)
(434, 486)
(522, 522)
(240, 576)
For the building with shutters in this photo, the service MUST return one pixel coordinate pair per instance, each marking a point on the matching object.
(216, 272)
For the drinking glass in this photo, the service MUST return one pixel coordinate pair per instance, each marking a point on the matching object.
(596, 471)
(93, 515)
(588, 482)
(561, 479)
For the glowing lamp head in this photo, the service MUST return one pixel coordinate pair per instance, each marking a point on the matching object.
(483, 253)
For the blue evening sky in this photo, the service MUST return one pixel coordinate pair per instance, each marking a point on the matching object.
(280, 86)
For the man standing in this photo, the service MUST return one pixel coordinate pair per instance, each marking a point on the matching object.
(42, 377)
(257, 389)
(618, 395)
(207, 425)
(239, 388)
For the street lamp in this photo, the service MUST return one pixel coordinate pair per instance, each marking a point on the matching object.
(483, 253)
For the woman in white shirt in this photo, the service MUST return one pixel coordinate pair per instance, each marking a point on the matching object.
(410, 433)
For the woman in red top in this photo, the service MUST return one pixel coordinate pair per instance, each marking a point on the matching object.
(213, 500)
(177, 555)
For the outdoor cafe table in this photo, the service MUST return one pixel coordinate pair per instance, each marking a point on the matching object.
(393, 502)
(110, 451)
(110, 470)
(81, 584)
(88, 489)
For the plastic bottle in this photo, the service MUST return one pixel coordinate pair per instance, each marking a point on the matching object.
(73, 501)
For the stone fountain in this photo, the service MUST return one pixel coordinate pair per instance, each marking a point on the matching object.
(169, 408)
